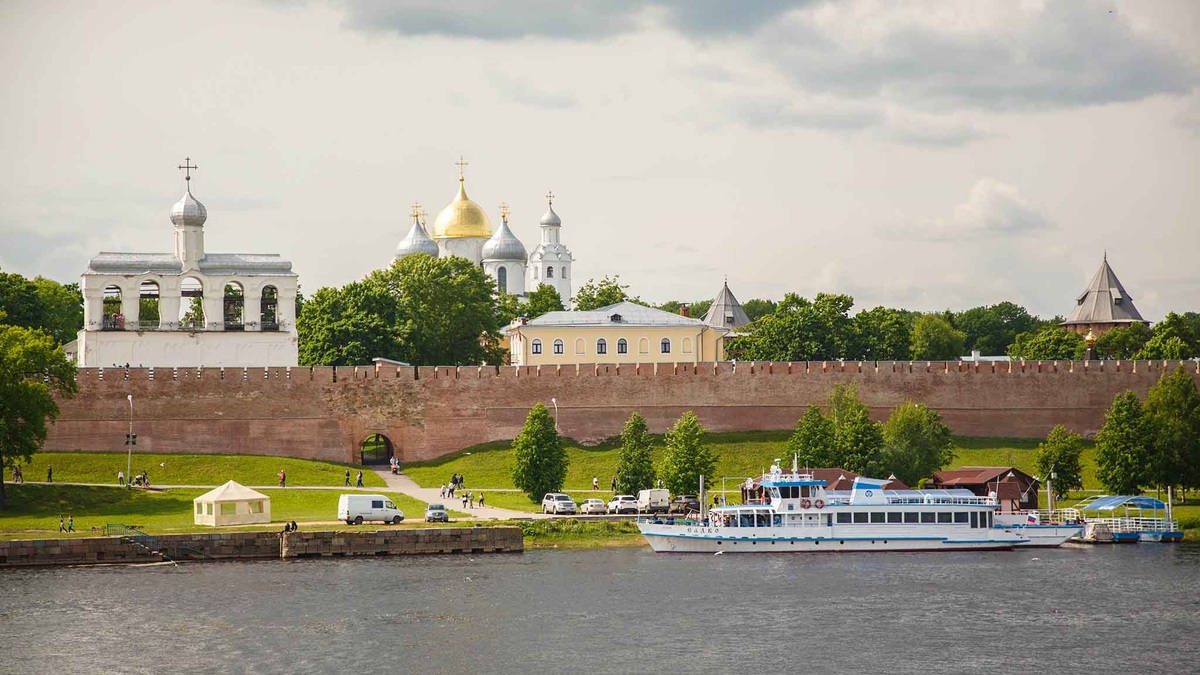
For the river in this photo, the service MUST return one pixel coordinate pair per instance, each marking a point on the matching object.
(1111, 609)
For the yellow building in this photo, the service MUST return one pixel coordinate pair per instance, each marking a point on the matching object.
(622, 333)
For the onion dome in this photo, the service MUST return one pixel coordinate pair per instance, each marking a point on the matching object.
(550, 218)
(462, 219)
(416, 241)
(504, 245)
(189, 211)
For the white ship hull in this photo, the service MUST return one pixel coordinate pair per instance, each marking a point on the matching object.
(694, 538)
(1045, 536)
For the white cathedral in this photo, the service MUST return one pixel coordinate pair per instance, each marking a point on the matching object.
(464, 230)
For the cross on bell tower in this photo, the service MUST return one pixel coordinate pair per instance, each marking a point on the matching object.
(187, 167)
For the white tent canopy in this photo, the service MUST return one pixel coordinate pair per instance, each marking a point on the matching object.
(232, 504)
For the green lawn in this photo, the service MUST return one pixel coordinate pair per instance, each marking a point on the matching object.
(33, 510)
(102, 467)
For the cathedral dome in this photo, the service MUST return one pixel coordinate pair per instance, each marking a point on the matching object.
(417, 241)
(551, 218)
(188, 211)
(462, 219)
(504, 245)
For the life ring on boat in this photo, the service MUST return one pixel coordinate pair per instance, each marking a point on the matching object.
(804, 503)
(820, 503)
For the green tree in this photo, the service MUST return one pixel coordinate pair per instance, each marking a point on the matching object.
(1173, 338)
(540, 461)
(1123, 446)
(915, 443)
(635, 467)
(347, 326)
(699, 308)
(20, 300)
(857, 439)
(1123, 342)
(1060, 453)
(595, 294)
(757, 308)
(62, 308)
(800, 330)
(1173, 413)
(445, 310)
(508, 307)
(812, 442)
(33, 369)
(686, 457)
(883, 334)
(934, 339)
(992, 328)
(543, 300)
(1048, 344)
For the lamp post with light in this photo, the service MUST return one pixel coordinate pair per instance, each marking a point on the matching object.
(554, 402)
(129, 441)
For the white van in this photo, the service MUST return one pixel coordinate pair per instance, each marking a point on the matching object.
(653, 501)
(354, 509)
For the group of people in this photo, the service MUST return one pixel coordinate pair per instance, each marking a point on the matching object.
(140, 480)
(67, 525)
(282, 479)
(468, 500)
(18, 477)
(360, 483)
(290, 527)
(395, 465)
(455, 484)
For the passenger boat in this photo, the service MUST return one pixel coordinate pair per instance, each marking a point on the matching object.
(793, 512)
(1129, 518)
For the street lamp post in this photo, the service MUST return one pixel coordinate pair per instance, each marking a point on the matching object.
(129, 442)
(554, 401)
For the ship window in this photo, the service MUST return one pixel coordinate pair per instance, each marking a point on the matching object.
(910, 517)
(860, 517)
(989, 519)
(928, 517)
(843, 518)
(945, 517)
(960, 516)
(804, 491)
(895, 516)
(974, 519)
(878, 517)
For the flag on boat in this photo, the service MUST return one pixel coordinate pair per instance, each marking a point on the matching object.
(1032, 519)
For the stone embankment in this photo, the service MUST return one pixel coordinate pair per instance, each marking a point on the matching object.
(259, 546)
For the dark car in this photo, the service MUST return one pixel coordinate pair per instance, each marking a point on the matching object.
(684, 504)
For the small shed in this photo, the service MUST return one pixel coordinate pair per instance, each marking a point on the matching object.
(232, 504)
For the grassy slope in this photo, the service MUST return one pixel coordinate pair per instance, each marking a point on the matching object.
(102, 467)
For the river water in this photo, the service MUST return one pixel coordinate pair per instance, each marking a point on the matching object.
(1112, 609)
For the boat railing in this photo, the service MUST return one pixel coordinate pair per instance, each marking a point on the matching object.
(932, 499)
(1137, 524)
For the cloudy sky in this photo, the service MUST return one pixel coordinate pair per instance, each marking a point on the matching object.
(919, 155)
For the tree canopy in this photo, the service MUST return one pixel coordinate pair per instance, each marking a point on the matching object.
(595, 294)
(857, 439)
(1123, 342)
(1060, 453)
(1173, 414)
(883, 334)
(42, 303)
(1048, 344)
(812, 442)
(915, 443)
(799, 330)
(348, 326)
(686, 458)
(992, 328)
(635, 466)
(934, 339)
(540, 461)
(32, 371)
(542, 300)
(1123, 447)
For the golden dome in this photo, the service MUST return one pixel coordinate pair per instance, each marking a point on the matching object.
(462, 218)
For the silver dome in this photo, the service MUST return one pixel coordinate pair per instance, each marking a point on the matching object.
(551, 218)
(504, 245)
(417, 241)
(188, 211)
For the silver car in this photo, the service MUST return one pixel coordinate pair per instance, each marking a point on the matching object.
(592, 507)
(558, 503)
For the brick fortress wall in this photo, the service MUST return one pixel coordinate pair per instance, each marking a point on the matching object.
(326, 413)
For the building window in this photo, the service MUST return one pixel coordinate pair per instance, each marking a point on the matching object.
(502, 279)
(564, 276)
(535, 347)
(643, 346)
(579, 348)
(622, 346)
(665, 346)
(549, 272)
(601, 346)
(535, 272)
(558, 346)
(687, 345)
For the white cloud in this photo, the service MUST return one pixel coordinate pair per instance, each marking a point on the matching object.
(992, 209)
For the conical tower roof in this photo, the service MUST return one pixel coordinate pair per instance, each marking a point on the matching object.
(1104, 301)
(725, 311)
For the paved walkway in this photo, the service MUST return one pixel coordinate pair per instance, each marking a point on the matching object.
(405, 485)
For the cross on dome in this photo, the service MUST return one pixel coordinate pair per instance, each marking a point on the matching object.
(416, 210)
(504, 211)
(187, 167)
(461, 164)
(550, 197)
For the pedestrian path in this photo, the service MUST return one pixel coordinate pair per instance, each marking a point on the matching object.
(405, 485)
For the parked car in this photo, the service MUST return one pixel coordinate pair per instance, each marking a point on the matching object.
(593, 506)
(684, 504)
(354, 509)
(436, 513)
(623, 504)
(559, 503)
(653, 501)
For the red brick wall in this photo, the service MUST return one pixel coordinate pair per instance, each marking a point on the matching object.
(322, 414)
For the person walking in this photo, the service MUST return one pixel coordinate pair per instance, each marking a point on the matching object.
(595, 483)
(49, 474)
(359, 484)
(347, 476)
(70, 523)
(282, 478)
(18, 477)
(464, 500)
(62, 524)
(443, 491)
(614, 484)
(481, 500)
(121, 478)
